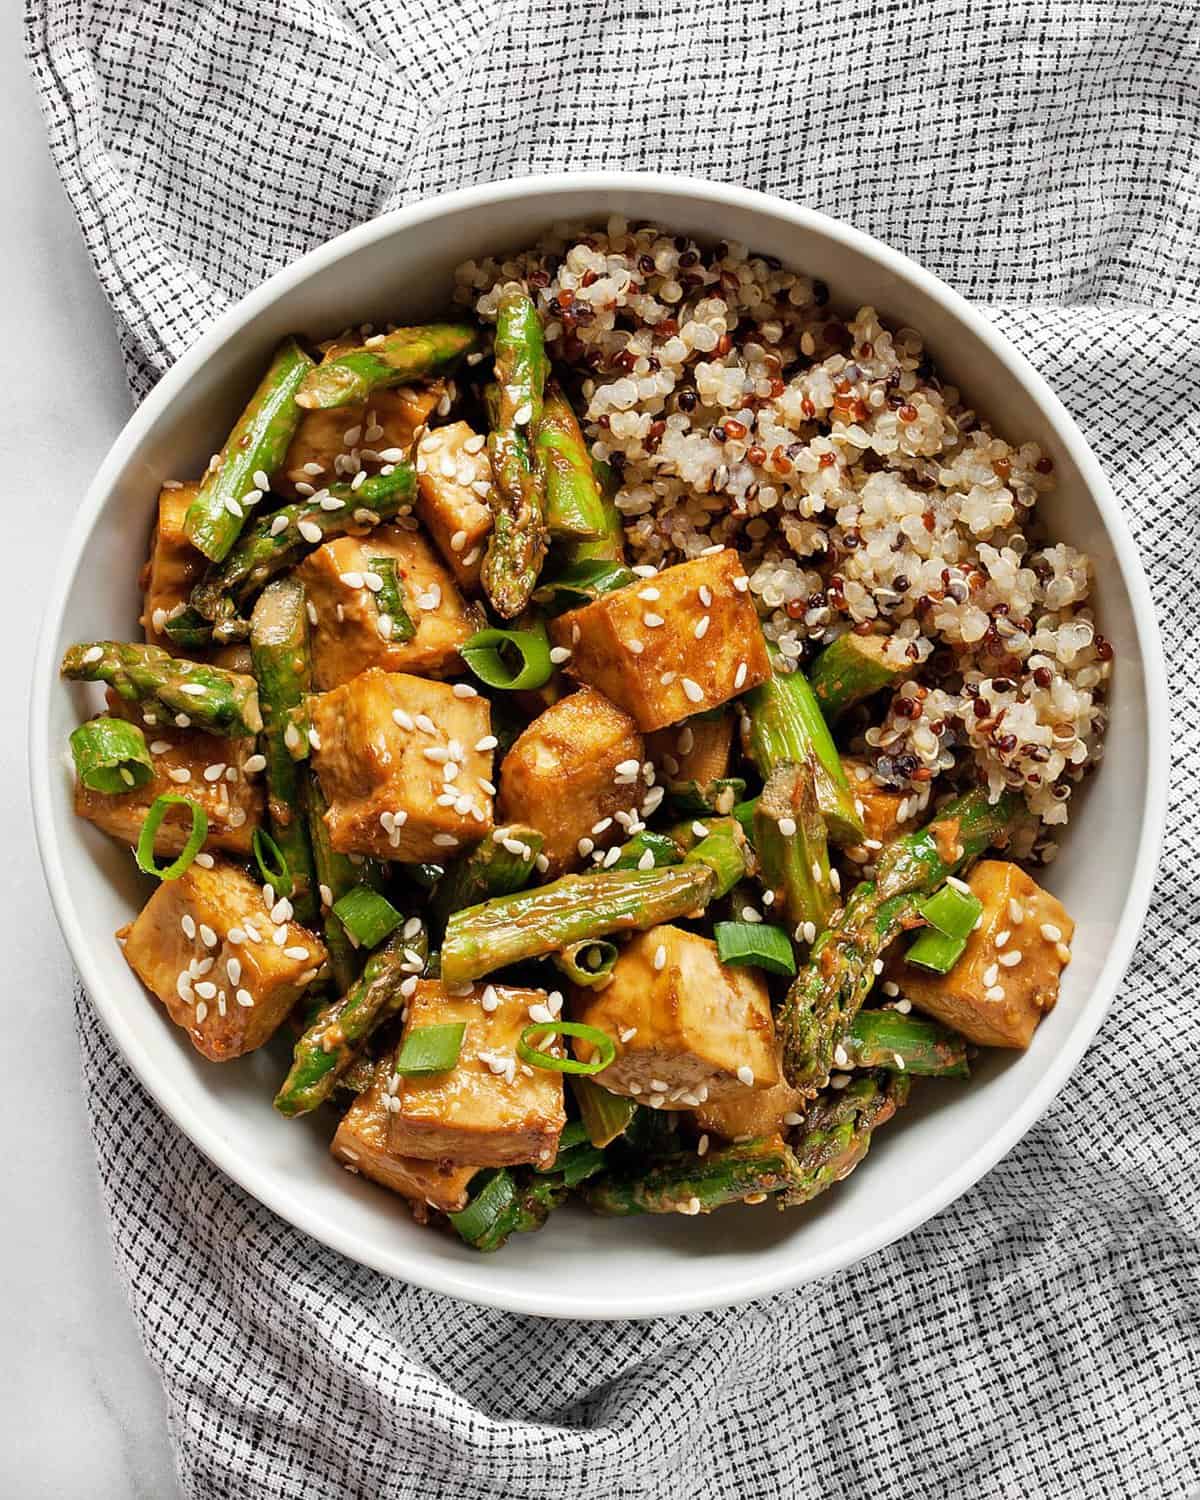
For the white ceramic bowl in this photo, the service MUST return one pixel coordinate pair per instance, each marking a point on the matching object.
(400, 266)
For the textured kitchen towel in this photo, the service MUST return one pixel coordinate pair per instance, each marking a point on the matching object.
(1042, 1336)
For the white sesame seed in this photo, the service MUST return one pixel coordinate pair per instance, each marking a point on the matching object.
(693, 690)
(700, 629)
(649, 595)
(206, 989)
(180, 774)
(560, 654)
(635, 646)
(959, 885)
(990, 975)
(739, 677)
(660, 957)
(1050, 932)
(281, 911)
(1016, 911)
(994, 992)
(787, 827)
(159, 747)
(746, 1076)
(585, 847)
(201, 1013)
(653, 621)
(749, 914)
(425, 724)
(214, 773)
(1012, 958)
(309, 530)
(1001, 938)
(445, 840)
(233, 507)
(254, 763)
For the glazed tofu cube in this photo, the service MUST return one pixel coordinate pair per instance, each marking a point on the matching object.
(173, 566)
(648, 648)
(361, 1144)
(210, 949)
(490, 1109)
(569, 774)
(353, 631)
(1009, 973)
(333, 445)
(885, 814)
(208, 770)
(386, 750)
(454, 484)
(687, 1030)
(753, 1114)
(698, 750)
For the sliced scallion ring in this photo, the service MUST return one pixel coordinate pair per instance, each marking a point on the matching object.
(430, 1049)
(367, 916)
(603, 1043)
(272, 862)
(495, 1197)
(144, 853)
(111, 756)
(511, 660)
(756, 943)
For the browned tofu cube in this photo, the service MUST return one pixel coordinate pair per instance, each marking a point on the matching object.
(687, 1029)
(454, 485)
(405, 765)
(1008, 976)
(753, 1114)
(491, 1108)
(173, 567)
(570, 773)
(886, 814)
(670, 646)
(697, 750)
(351, 629)
(361, 1144)
(210, 948)
(331, 446)
(209, 770)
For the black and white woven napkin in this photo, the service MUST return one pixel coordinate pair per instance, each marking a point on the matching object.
(1042, 1336)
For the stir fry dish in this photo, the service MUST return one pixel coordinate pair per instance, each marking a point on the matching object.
(612, 737)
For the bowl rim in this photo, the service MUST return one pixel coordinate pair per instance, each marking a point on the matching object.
(447, 1278)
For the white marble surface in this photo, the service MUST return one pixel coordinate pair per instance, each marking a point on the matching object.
(81, 1408)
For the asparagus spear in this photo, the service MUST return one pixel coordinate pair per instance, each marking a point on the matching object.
(905, 1044)
(828, 992)
(498, 866)
(336, 874)
(689, 1184)
(518, 542)
(253, 451)
(589, 963)
(332, 1042)
(849, 670)
(610, 545)
(786, 725)
(347, 375)
(789, 839)
(174, 691)
(837, 1133)
(279, 540)
(662, 849)
(283, 666)
(552, 917)
(574, 507)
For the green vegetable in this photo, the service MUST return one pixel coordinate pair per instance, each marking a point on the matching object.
(661, 849)
(367, 916)
(253, 451)
(789, 839)
(574, 508)
(590, 963)
(272, 863)
(580, 583)
(336, 874)
(490, 655)
(935, 951)
(518, 541)
(333, 1041)
(517, 1200)
(758, 944)
(906, 1044)
(610, 547)
(157, 811)
(787, 727)
(954, 910)
(110, 756)
(828, 992)
(851, 669)
(431, 1049)
(718, 796)
(346, 376)
(600, 1040)
(686, 1183)
(282, 659)
(278, 541)
(171, 690)
(605, 1116)
(837, 1132)
(389, 599)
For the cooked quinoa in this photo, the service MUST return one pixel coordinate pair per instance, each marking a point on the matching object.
(738, 406)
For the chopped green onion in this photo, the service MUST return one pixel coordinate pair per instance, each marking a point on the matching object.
(431, 1049)
(512, 660)
(744, 813)
(580, 583)
(717, 796)
(144, 853)
(936, 951)
(272, 863)
(952, 910)
(389, 599)
(603, 1043)
(662, 850)
(189, 629)
(367, 916)
(605, 1116)
(588, 963)
(756, 943)
(111, 756)
(495, 1197)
